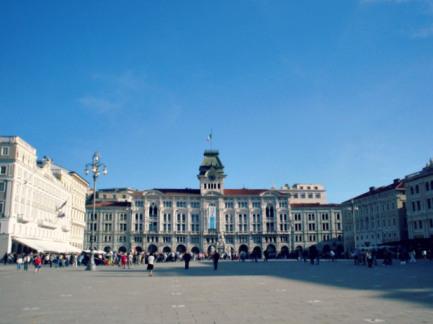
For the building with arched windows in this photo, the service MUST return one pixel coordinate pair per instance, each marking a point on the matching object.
(212, 217)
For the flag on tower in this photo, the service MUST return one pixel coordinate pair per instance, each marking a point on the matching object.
(209, 137)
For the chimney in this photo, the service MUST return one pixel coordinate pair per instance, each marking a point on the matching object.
(371, 189)
(396, 181)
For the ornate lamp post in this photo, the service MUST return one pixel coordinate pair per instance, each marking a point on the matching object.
(94, 168)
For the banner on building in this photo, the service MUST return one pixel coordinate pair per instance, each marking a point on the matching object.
(212, 218)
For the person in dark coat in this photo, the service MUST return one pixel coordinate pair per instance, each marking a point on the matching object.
(313, 253)
(215, 259)
(187, 258)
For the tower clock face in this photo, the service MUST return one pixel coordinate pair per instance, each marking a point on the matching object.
(212, 177)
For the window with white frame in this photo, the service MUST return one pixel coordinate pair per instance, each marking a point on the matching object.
(243, 223)
(229, 223)
(195, 204)
(256, 223)
(2, 186)
(229, 204)
(181, 223)
(256, 204)
(284, 222)
(3, 169)
(5, 151)
(166, 223)
(243, 204)
(181, 204)
(283, 204)
(195, 223)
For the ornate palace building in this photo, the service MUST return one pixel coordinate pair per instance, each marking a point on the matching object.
(213, 217)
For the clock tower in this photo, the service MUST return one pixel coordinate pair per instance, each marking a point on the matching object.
(211, 173)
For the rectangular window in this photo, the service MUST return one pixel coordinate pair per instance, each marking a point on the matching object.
(5, 151)
(283, 204)
(428, 201)
(256, 204)
(2, 186)
(181, 204)
(417, 189)
(243, 204)
(3, 169)
(195, 204)
(229, 204)
(1, 209)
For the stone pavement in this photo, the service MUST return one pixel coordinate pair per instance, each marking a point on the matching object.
(272, 292)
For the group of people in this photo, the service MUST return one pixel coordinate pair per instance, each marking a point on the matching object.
(23, 261)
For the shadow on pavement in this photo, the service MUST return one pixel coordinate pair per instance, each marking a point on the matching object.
(411, 282)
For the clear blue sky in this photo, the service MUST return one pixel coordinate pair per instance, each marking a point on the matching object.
(334, 92)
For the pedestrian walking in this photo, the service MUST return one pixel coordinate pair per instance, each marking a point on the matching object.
(215, 259)
(332, 253)
(37, 263)
(26, 262)
(369, 257)
(19, 262)
(150, 264)
(123, 260)
(187, 259)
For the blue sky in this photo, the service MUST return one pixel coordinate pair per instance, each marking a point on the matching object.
(333, 92)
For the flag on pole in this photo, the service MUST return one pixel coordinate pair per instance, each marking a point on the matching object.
(209, 137)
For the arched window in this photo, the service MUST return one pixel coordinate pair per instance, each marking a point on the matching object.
(269, 211)
(153, 210)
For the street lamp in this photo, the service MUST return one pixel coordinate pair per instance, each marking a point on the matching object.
(353, 208)
(94, 168)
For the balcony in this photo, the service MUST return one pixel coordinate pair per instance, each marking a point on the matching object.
(47, 224)
(22, 218)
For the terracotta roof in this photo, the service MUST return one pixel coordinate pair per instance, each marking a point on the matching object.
(243, 192)
(110, 203)
(179, 191)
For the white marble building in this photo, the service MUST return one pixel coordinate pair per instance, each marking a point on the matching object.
(42, 206)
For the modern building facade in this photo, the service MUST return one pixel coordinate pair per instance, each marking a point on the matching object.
(376, 217)
(212, 217)
(419, 195)
(42, 205)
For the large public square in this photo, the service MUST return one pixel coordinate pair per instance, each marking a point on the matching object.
(263, 292)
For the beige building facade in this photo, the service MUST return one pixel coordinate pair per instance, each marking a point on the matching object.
(280, 221)
(39, 201)
(419, 195)
(376, 217)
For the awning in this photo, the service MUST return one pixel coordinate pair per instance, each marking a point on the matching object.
(47, 246)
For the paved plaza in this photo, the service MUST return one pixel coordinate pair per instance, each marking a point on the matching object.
(272, 292)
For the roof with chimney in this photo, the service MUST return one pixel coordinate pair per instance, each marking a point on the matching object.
(397, 184)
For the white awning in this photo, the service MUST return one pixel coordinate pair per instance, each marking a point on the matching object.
(47, 246)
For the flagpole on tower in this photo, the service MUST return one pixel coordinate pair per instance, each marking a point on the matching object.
(209, 139)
